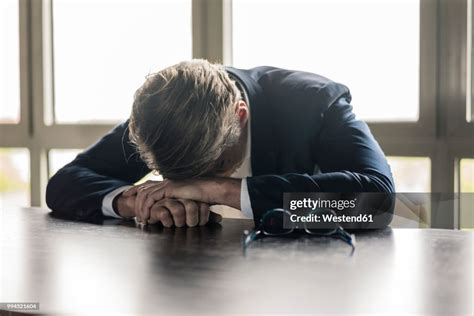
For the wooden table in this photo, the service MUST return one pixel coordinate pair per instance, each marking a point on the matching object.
(116, 267)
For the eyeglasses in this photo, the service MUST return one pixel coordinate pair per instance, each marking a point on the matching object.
(272, 224)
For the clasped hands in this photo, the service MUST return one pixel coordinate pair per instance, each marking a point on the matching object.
(178, 202)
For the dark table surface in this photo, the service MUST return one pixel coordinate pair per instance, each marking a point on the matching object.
(115, 267)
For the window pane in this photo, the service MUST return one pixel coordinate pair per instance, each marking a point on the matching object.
(57, 158)
(467, 175)
(103, 50)
(403, 169)
(467, 186)
(411, 210)
(372, 46)
(14, 177)
(9, 62)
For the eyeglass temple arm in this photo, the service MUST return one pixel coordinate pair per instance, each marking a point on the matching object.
(348, 238)
(250, 236)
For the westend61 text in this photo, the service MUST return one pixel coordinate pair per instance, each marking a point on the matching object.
(331, 218)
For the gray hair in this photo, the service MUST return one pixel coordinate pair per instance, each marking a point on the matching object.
(184, 118)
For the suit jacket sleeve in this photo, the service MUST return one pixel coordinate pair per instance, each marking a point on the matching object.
(77, 190)
(348, 156)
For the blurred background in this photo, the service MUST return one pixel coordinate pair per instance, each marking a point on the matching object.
(69, 69)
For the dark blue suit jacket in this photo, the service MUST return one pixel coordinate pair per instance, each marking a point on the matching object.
(298, 120)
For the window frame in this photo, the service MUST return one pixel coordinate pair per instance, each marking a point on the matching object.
(442, 132)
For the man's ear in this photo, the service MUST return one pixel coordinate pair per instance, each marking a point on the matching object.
(242, 111)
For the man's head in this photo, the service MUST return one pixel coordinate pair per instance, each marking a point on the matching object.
(187, 118)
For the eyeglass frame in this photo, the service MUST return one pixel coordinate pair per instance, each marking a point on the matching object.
(338, 232)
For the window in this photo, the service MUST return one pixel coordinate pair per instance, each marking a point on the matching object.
(403, 169)
(9, 62)
(78, 63)
(58, 158)
(467, 175)
(362, 44)
(104, 49)
(413, 206)
(14, 177)
(467, 193)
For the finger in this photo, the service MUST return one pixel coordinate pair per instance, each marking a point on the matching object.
(153, 195)
(203, 213)
(161, 214)
(131, 191)
(155, 214)
(134, 189)
(214, 217)
(144, 213)
(145, 204)
(138, 201)
(141, 197)
(192, 212)
(135, 209)
(177, 211)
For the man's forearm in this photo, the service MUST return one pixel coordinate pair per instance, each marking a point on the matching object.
(222, 191)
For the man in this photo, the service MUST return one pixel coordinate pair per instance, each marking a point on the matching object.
(222, 136)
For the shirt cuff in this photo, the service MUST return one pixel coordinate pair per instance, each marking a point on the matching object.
(245, 205)
(107, 207)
